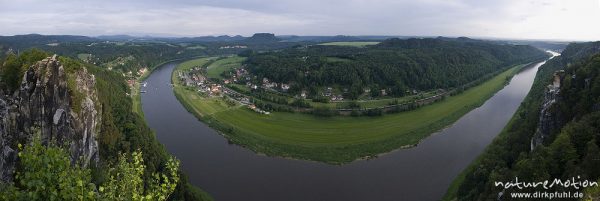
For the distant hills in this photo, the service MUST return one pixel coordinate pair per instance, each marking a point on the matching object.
(29, 40)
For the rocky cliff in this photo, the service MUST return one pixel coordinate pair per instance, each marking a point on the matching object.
(62, 107)
(549, 119)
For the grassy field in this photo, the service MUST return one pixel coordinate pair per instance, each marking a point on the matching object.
(195, 47)
(337, 59)
(136, 99)
(200, 105)
(193, 63)
(372, 103)
(336, 139)
(215, 69)
(84, 56)
(354, 44)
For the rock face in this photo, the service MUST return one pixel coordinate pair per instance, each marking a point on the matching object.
(62, 108)
(549, 120)
(262, 37)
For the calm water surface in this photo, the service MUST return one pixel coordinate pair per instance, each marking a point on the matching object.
(230, 172)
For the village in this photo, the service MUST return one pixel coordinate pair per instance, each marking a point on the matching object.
(196, 78)
(237, 85)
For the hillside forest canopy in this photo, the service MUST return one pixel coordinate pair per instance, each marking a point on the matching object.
(397, 66)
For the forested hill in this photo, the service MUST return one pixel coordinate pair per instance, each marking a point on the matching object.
(35, 94)
(29, 40)
(555, 134)
(395, 65)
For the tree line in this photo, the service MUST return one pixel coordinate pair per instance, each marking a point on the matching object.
(570, 150)
(394, 65)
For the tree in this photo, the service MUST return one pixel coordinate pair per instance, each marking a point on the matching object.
(15, 66)
(591, 160)
(46, 173)
(592, 194)
(11, 72)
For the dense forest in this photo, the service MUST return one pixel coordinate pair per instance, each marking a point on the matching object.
(394, 65)
(570, 122)
(131, 53)
(121, 130)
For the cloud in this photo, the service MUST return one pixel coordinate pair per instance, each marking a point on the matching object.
(556, 19)
(98, 19)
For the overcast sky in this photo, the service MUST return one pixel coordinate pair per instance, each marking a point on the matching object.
(535, 19)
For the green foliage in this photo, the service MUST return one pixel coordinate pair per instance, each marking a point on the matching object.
(324, 112)
(46, 173)
(126, 181)
(394, 65)
(14, 67)
(334, 139)
(125, 131)
(11, 72)
(71, 66)
(572, 148)
(592, 194)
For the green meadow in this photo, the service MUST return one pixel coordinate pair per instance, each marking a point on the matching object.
(338, 139)
(215, 69)
(354, 44)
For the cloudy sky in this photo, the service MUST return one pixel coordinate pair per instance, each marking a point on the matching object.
(527, 19)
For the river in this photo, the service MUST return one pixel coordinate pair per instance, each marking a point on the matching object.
(230, 172)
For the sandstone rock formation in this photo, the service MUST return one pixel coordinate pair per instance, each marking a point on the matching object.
(549, 119)
(62, 107)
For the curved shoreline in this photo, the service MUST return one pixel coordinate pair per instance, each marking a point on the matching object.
(346, 153)
(423, 172)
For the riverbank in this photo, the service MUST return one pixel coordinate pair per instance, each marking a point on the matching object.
(516, 120)
(333, 140)
(136, 99)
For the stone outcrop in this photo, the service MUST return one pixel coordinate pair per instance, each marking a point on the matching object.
(548, 120)
(63, 108)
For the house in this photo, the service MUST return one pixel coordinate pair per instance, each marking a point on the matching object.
(130, 82)
(382, 92)
(270, 85)
(337, 98)
(285, 87)
(142, 71)
(303, 94)
(245, 100)
(328, 91)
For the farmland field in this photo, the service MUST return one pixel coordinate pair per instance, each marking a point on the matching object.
(354, 44)
(219, 66)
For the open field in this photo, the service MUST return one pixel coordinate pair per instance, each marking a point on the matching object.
(84, 56)
(215, 69)
(201, 105)
(337, 59)
(374, 102)
(336, 139)
(354, 44)
(193, 63)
